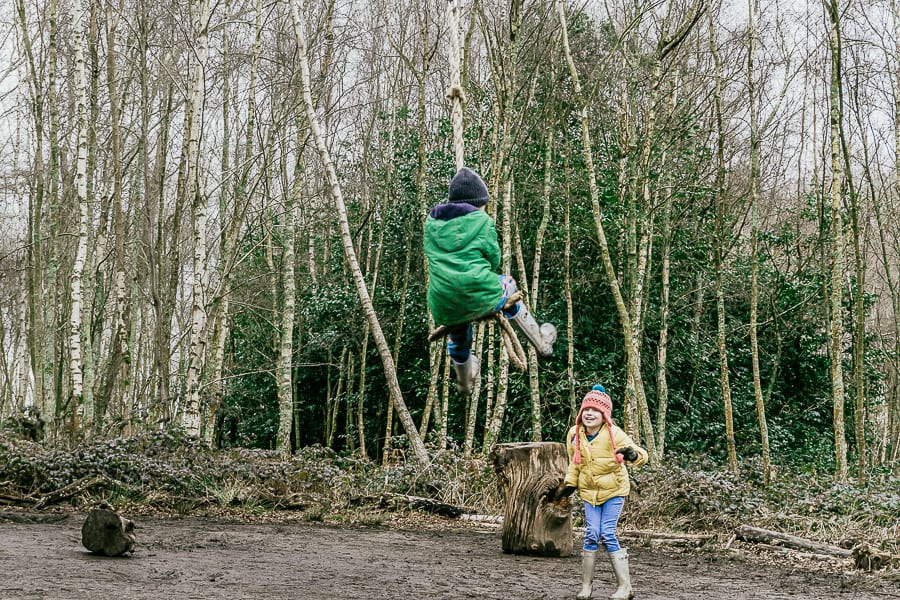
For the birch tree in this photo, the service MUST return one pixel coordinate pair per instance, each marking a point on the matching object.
(721, 244)
(836, 322)
(195, 195)
(77, 298)
(284, 368)
(625, 318)
(335, 189)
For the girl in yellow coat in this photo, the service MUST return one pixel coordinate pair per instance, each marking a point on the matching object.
(598, 450)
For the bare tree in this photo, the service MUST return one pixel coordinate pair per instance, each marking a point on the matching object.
(720, 250)
(836, 322)
(197, 198)
(390, 370)
(77, 298)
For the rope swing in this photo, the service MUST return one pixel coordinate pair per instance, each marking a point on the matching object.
(455, 92)
(457, 97)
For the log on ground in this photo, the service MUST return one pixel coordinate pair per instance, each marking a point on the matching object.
(775, 538)
(532, 524)
(107, 533)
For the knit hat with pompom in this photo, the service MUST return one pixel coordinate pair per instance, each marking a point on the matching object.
(600, 401)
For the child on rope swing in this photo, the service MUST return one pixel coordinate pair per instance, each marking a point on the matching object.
(597, 470)
(464, 285)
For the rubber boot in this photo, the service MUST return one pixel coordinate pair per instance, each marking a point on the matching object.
(541, 337)
(588, 560)
(619, 560)
(467, 374)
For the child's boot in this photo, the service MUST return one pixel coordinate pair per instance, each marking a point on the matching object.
(467, 373)
(541, 337)
(619, 560)
(588, 560)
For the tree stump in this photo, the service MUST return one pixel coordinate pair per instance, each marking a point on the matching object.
(107, 533)
(528, 472)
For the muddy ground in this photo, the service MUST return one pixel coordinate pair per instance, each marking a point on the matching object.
(181, 558)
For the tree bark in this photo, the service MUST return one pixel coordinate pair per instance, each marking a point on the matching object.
(755, 534)
(754, 243)
(76, 290)
(418, 447)
(720, 254)
(527, 472)
(837, 243)
(284, 367)
(191, 419)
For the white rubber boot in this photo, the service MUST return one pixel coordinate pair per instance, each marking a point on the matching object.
(619, 560)
(588, 560)
(541, 337)
(467, 374)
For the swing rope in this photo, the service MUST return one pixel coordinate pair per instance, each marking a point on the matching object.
(455, 92)
(456, 96)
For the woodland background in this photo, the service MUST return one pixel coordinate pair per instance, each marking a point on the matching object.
(702, 195)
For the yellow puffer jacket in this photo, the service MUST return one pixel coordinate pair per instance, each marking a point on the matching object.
(599, 476)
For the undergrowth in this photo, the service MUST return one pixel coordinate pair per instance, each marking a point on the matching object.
(169, 471)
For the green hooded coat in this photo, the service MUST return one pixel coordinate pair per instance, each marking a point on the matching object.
(463, 259)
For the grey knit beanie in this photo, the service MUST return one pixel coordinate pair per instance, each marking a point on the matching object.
(467, 186)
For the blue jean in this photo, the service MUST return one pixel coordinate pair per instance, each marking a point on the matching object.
(600, 524)
(459, 338)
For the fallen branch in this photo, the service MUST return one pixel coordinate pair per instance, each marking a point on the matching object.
(16, 500)
(774, 538)
(75, 488)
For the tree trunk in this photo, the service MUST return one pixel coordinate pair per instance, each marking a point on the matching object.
(284, 367)
(892, 443)
(625, 318)
(335, 400)
(720, 254)
(754, 243)
(531, 524)
(76, 291)
(116, 376)
(570, 304)
(418, 447)
(837, 244)
(496, 421)
(662, 382)
(475, 396)
(107, 533)
(191, 419)
(35, 320)
(533, 373)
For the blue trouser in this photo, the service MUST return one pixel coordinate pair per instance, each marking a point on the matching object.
(459, 337)
(601, 522)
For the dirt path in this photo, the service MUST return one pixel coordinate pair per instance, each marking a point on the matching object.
(198, 558)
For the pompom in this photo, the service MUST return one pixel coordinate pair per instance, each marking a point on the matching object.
(599, 388)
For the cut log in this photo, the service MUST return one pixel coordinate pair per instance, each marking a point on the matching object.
(528, 472)
(765, 536)
(107, 533)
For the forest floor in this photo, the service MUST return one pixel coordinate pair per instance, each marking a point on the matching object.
(398, 557)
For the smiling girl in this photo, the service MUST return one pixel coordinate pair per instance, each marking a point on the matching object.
(598, 450)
